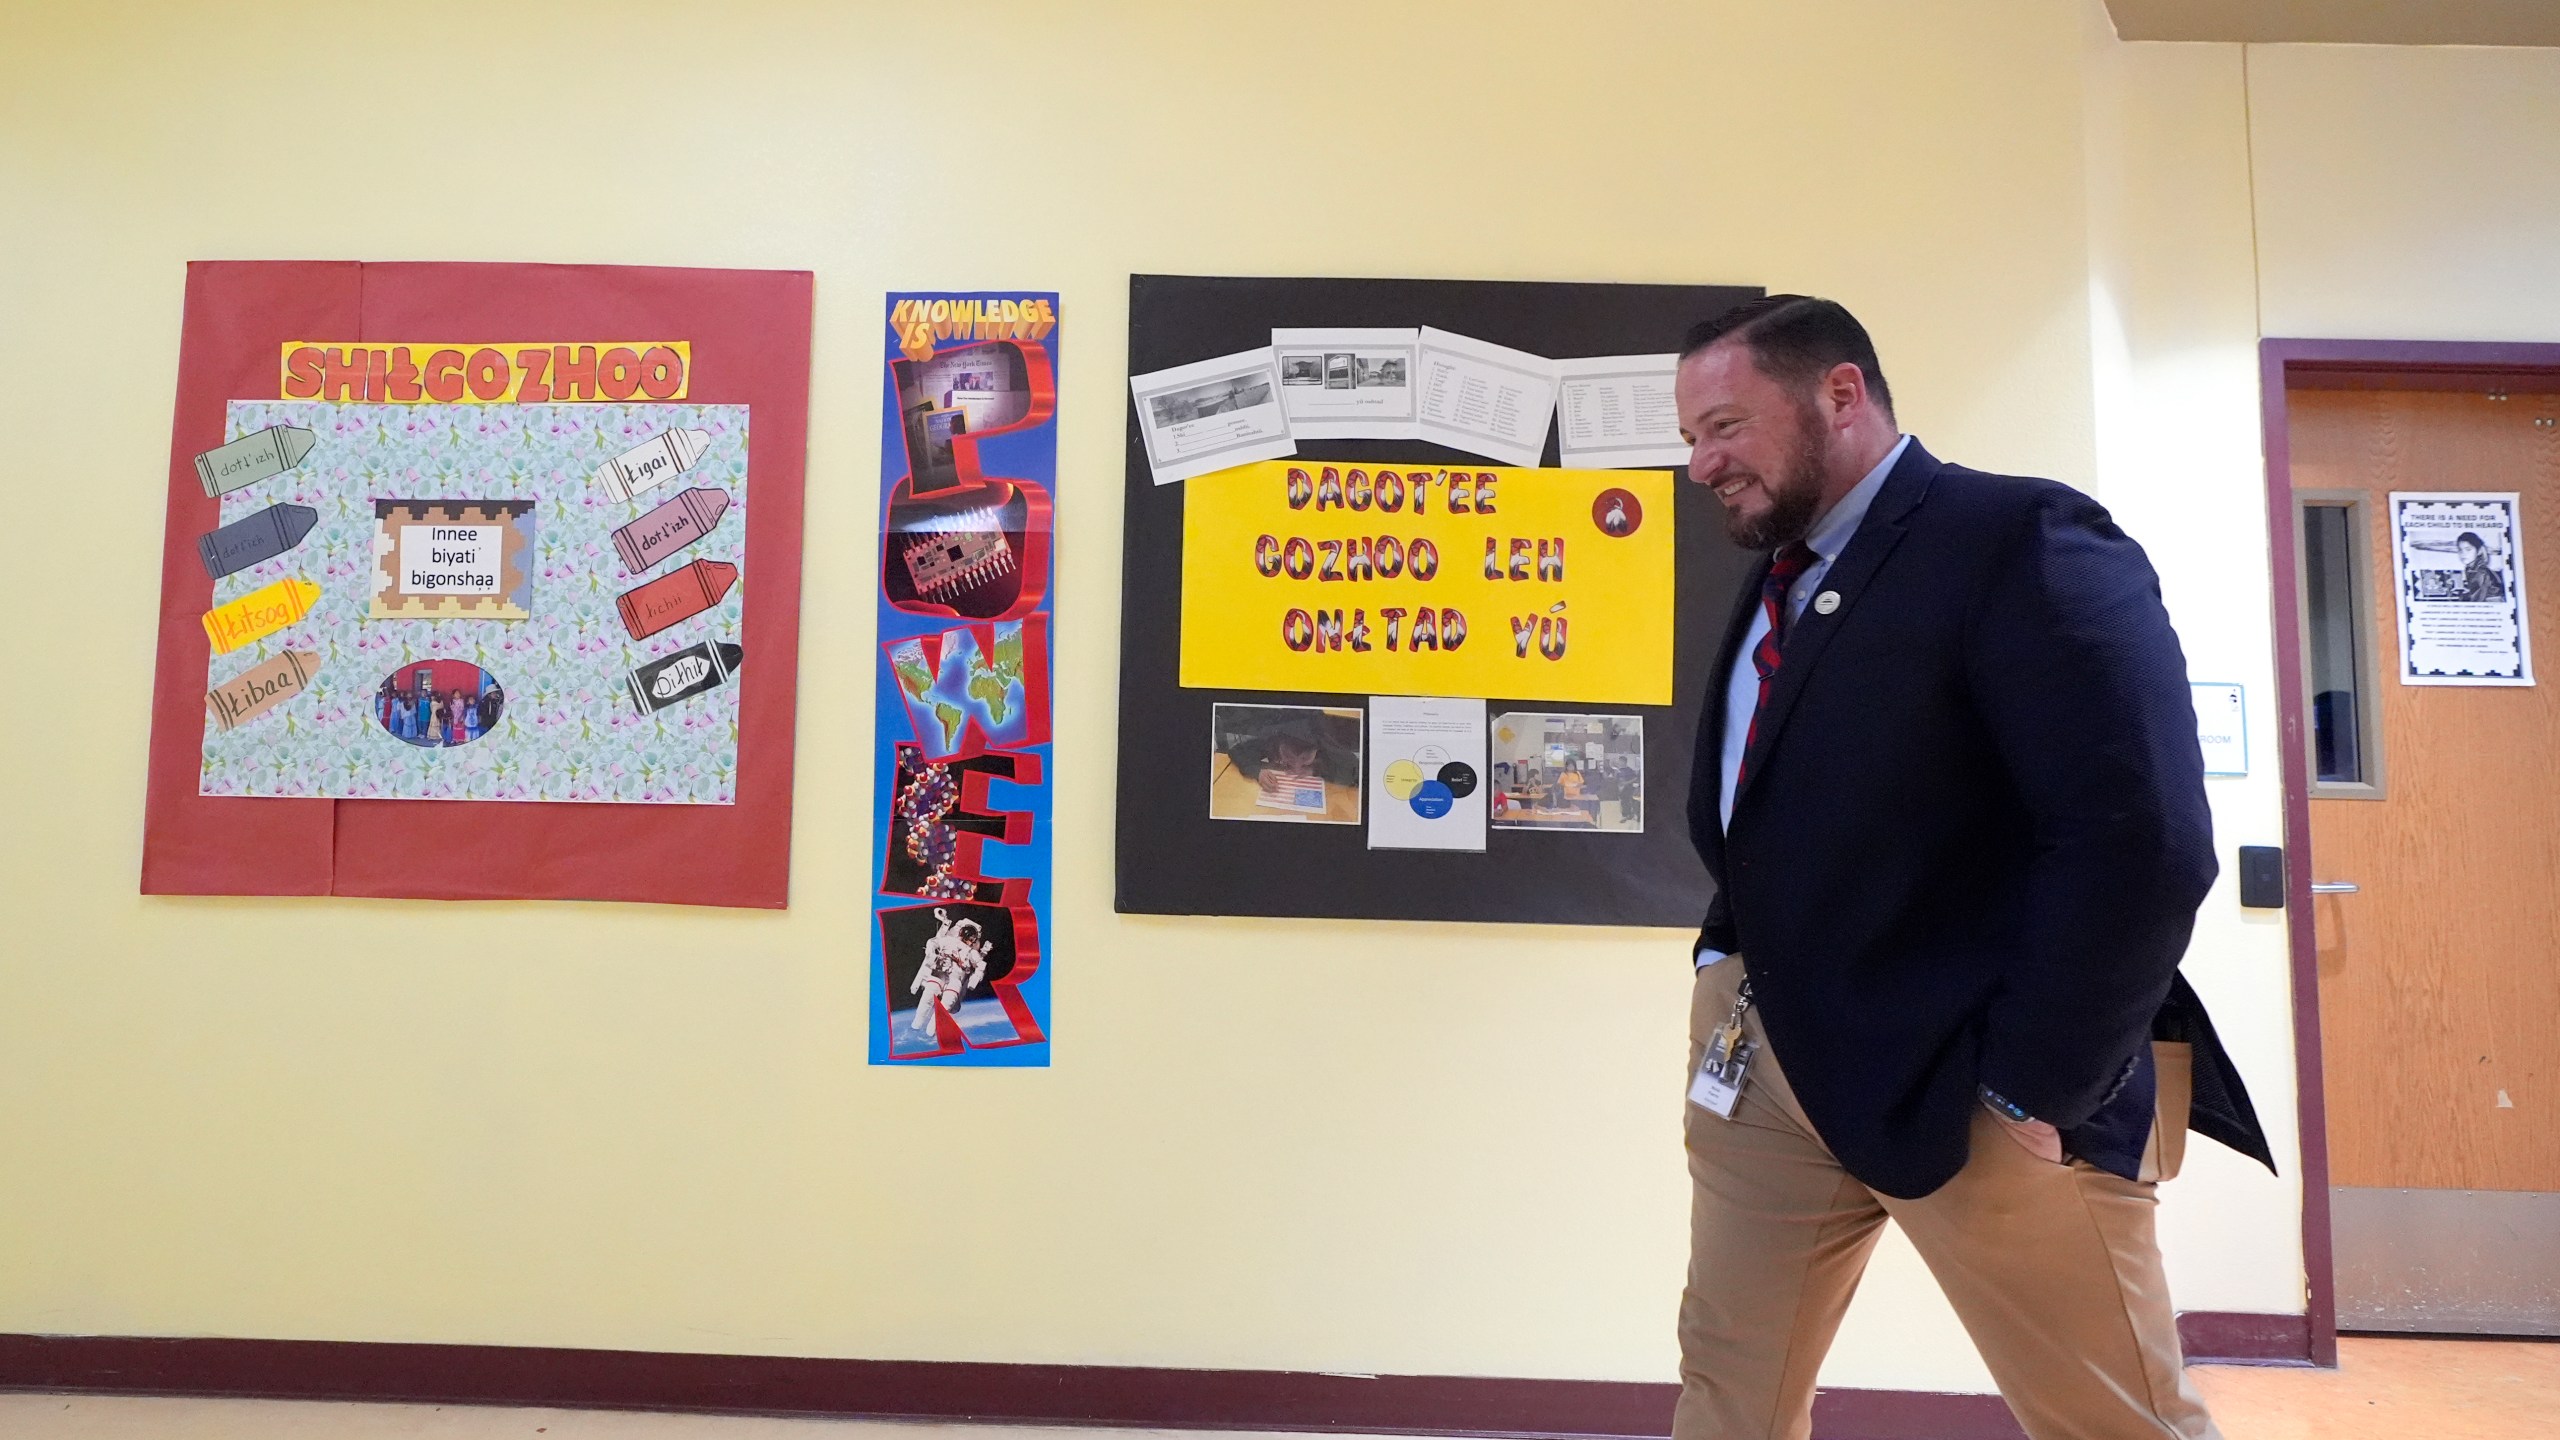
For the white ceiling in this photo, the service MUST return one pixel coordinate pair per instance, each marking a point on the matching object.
(2342, 22)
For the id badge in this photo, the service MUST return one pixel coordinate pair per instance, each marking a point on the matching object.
(1718, 1086)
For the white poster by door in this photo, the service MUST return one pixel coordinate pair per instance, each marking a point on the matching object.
(2222, 727)
(2460, 562)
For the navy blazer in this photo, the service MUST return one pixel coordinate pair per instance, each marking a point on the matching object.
(1971, 834)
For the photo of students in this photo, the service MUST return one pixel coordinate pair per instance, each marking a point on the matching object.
(1568, 772)
(436, 704)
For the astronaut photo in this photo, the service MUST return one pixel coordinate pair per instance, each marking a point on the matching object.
(955, 961)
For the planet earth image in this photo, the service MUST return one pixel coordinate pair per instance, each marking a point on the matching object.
(971, 683)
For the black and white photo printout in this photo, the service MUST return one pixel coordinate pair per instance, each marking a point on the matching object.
(2459, 559)
(1348, 384)
(1212, 414)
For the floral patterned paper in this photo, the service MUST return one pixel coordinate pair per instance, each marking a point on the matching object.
(569, 730)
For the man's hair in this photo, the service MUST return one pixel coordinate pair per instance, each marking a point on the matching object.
(2472, 539)
(1796, 340)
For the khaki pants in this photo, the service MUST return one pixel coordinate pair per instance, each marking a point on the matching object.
(2052, 1268)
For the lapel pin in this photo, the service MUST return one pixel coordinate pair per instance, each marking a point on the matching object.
(1826, 602)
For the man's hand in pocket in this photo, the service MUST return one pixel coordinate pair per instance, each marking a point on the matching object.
(2035, 1136)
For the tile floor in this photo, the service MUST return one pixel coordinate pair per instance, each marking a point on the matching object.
(2382, 1390)
(2396, 1390)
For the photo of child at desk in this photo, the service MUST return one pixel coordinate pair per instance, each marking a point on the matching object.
(1568, 772)
(1284, 762)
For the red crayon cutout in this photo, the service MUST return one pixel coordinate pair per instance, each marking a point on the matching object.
(676, 596)
(669, 528)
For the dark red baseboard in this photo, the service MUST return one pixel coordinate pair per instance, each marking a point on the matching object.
(1124, 1396)
(2230, 1337)
(901, 1389)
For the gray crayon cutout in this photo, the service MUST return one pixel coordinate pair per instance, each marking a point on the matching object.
(253, 458)
(263, 536)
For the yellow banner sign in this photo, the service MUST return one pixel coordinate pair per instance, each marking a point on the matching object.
(485, 372)
(1399, 580)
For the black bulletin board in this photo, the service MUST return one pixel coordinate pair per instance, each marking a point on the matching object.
(1172, 859)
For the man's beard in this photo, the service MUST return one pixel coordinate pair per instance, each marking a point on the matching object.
(1794, 494)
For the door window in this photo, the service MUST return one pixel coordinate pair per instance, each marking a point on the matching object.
(2338, 660)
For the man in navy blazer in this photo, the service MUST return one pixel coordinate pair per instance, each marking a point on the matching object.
(1949, 789)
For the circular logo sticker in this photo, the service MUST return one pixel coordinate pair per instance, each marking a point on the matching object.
(1617, 512)
(438, 703)
(1431, 800)
(1459, 776)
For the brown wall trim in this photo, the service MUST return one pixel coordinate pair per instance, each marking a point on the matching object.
(2277, 360)
(939, 1390)
(1125, 1396)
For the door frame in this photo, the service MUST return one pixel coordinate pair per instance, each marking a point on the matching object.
(2337, 365)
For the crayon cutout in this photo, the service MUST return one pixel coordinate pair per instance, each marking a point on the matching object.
(263, 536)
(688, 672)
(261, 688)
(671, 527)
(259, 614)
(253, 458)
(663, 457)
(675, 596)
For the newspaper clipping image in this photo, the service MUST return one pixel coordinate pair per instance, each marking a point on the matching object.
(2460, 563)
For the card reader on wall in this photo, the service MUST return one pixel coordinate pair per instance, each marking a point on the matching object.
(2261, 877)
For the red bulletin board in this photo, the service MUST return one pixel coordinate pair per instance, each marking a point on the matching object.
(749, 332)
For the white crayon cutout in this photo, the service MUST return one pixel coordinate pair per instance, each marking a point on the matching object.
(645, 466)
(1826, 602)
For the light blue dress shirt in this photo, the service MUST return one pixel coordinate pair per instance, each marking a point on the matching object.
(1830, 535)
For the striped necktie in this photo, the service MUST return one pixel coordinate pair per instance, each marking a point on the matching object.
(1785, 569)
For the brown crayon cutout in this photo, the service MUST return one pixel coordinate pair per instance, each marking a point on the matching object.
(300, 665)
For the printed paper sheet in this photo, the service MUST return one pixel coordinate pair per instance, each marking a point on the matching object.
(1485, 399)
(1426, 773)
(2459, 558)
(1349, 384)
(1618, 410)
(1212, 414)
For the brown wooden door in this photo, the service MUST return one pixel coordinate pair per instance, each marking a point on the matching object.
(2440, 972)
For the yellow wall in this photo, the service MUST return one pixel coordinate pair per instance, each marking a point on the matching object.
(1288, 1145)
(2407, 194)
(2173, 350)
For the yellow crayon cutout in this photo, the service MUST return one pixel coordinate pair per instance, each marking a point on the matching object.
(261, 688)
(259, 614)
